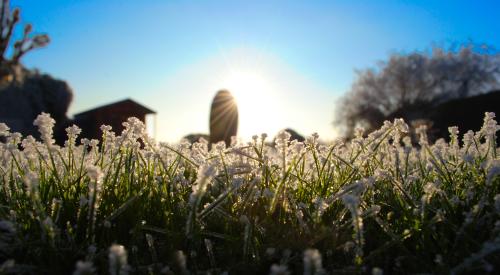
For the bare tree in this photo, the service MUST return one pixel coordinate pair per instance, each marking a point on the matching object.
(28, 42)
(25, 93)
(411, 83)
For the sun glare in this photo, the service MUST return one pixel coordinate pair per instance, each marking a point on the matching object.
(255, 96)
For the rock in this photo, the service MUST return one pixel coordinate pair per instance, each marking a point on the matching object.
(295, 135)
(23, 100)
(192, 138)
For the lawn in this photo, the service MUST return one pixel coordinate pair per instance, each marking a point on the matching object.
(128, 205)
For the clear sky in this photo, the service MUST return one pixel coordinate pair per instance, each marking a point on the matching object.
(288, 60)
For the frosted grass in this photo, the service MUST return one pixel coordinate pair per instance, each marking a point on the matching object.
(129, 205)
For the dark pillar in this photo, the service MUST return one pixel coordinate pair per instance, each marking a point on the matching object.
(223, 118)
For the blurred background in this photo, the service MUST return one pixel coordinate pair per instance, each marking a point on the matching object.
(287, 63)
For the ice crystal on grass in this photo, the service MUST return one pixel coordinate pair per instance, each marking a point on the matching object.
(279, 270)
(377, 271)
(45, 125)
(312, 262)
(375, 200)
(4, 129)
(94, 173)
(493, 171)
(117, 257)
(84, 268)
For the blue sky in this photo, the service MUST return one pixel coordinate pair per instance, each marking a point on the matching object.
(173, 55)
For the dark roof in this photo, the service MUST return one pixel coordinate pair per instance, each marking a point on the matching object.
(137, 107)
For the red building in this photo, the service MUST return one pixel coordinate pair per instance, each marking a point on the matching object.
(113, 114)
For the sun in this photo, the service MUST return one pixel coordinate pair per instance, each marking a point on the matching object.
(255, 96)
(247, 87)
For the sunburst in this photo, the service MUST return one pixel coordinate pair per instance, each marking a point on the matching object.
(256, 100)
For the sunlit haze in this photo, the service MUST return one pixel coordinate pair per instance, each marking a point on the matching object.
(256, 99)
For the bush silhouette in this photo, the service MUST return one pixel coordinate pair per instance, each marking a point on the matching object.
(416, 81)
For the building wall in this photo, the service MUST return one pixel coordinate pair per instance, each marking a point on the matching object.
(113, 116)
